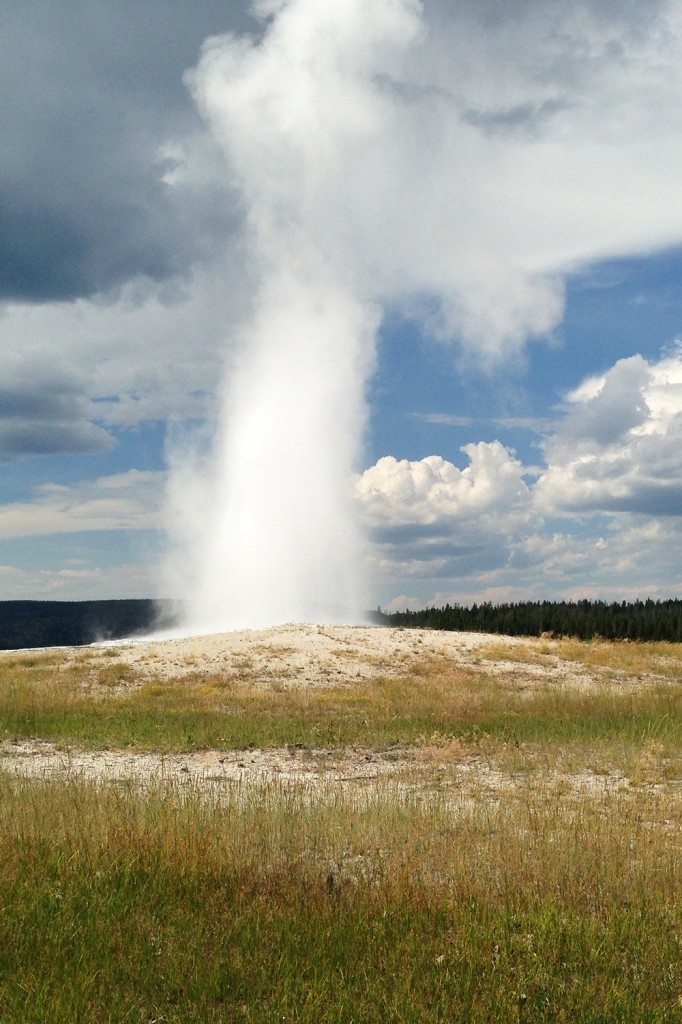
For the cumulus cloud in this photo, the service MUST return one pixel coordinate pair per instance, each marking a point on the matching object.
(433, 491)
(602, 518)
(619, 445)
(429, 519)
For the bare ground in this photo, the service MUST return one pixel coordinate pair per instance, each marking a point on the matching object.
(457, 776)
(305, 656)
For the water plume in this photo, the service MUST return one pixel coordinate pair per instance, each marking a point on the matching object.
(276, 538)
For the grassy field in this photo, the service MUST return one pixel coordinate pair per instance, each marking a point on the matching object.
(337, 905)
(120, 707)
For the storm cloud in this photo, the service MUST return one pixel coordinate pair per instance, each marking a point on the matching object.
(92, 100)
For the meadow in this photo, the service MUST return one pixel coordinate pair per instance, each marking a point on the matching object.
(521, 861)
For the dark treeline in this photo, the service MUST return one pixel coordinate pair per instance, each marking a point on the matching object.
(66, 623)
(638, 620)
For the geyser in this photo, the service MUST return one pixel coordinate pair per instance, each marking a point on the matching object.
(276, 536)
(278, 540)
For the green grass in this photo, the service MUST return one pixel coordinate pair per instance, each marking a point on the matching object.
(190, 714)
(265, 906)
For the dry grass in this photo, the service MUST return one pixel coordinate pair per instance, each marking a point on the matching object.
(96, 703)
(268, 906)
(529, 653)
(662, 658)
(623, 656)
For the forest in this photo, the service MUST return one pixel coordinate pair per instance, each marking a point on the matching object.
(624, 620)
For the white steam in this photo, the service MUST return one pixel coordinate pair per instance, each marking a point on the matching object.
(277, 538)
(454, 161)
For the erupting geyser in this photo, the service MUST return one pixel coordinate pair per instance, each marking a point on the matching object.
(276, 537)
(279, 541)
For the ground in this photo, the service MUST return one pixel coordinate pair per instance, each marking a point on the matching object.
(342, 824)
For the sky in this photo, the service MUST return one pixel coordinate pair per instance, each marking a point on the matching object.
(508, 194)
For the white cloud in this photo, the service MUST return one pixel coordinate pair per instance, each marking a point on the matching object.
(430, 520)
(604, 517)
(619, 445)
(124, 501)
(432, 491)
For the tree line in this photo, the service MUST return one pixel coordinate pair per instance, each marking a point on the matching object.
(57, 623)
(624, 620)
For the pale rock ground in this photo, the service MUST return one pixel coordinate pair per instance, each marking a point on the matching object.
(319, 772)
(307, 656)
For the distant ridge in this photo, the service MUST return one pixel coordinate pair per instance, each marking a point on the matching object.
(67, 623)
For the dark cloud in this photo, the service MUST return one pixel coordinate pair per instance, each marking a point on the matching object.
(48, 418)
(91, 93)
(50, 438)
(527, 118)
(44, 401)
(403, 533)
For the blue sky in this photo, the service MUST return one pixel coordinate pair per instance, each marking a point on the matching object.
(613, 310)
(122, 282)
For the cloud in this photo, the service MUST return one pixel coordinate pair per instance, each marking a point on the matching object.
(429, 519)
(629, 560)
(85, 366)
(618, 448)
(602, 519)
(365, 129)
(434, 491)
(123, 501)
(89, 582)
(52, 438)
(47, 418)
(92, 98)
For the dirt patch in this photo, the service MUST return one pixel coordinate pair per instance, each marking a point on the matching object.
(464, 777)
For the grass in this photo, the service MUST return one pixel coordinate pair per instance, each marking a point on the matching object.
(119, 708)
(265, 906)
(661, 658)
